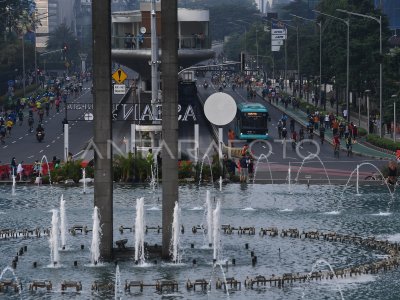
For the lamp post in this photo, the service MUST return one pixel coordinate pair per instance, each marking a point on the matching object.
(298, 55)
(380, 59)
(320, 54)
(366, 93)
(347, 22)
(394, 97)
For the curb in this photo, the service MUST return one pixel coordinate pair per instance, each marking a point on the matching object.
(300, 121)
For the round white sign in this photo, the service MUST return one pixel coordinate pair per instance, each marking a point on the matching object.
(143, 30)
(88, 117)
(220, 109)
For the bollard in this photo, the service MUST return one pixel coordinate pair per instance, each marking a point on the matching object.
(192, 246)
(14, 264)
(246, 246)
(21, 251)
(209, 245)
(16, 258)
(95, 262)
(251, 253)
(63, 247)
(227, 265)
(75, 263)
(194, 261)
(155, 261)
(214, 261)
(55, 264)
(182, 229)
(34, 264)
(82, 247)
(233, 261)
(25, 248)
(136, 262)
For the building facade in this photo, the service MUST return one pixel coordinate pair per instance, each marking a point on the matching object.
(51, 13)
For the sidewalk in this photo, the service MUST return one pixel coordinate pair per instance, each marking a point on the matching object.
(358, 148)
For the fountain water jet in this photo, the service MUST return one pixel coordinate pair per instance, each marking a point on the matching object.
(117, 292)
(357, 182)
(139, 232)
(209, 217)
(84, 179)
(176, 257)
(310, 157)
(54, 254)
(63, 223)
(44, 157)
(323, 262)
(263, 156)
(216, 232)
(14, 183)
(289, 177)
(96, 234)
(201, 169)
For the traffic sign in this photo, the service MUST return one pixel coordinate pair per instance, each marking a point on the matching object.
(278, 37)
(277, 42)
(278, 31)
(119, 89)
(119, 76)
(275, 48)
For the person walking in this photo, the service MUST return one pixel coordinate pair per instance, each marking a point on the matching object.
(231, 137)
(243, 168)
(13, 167)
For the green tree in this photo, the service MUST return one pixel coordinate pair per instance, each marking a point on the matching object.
(63, 39)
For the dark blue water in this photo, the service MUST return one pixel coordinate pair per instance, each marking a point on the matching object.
(317, 208)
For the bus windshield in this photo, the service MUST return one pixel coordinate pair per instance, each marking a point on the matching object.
(254, 120)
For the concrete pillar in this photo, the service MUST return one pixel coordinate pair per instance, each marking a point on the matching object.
(169, 67)
(103, 188)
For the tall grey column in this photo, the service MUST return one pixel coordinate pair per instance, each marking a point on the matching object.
(103, 188)
(169, 66)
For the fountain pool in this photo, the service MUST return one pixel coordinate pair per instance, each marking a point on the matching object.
(307, 209)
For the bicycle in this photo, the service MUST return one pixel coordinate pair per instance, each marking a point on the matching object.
(336, 150)
(349, 150)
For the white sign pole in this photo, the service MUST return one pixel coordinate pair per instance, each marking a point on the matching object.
(66, 142)
(133, 138)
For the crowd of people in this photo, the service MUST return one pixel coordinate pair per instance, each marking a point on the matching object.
(36, 107)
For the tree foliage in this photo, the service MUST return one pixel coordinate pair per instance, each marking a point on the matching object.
(63, 38)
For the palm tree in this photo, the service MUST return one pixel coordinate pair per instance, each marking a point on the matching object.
(63, 39)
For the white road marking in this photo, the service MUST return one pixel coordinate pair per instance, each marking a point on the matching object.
(13, 142)
(40, 151)
(30, 156)
(5, 146)
(48, 146)
(20, 138)
(53, 141)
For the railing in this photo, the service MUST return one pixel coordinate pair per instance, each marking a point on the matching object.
(195, 41)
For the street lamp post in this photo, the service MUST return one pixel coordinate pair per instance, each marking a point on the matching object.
(394, 97)
(366, 93)
(347, 22)
(320, 54)
(380, 59)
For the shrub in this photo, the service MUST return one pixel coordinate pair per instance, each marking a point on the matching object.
(383, 142)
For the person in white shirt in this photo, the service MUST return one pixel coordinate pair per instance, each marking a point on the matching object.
(20, 170)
